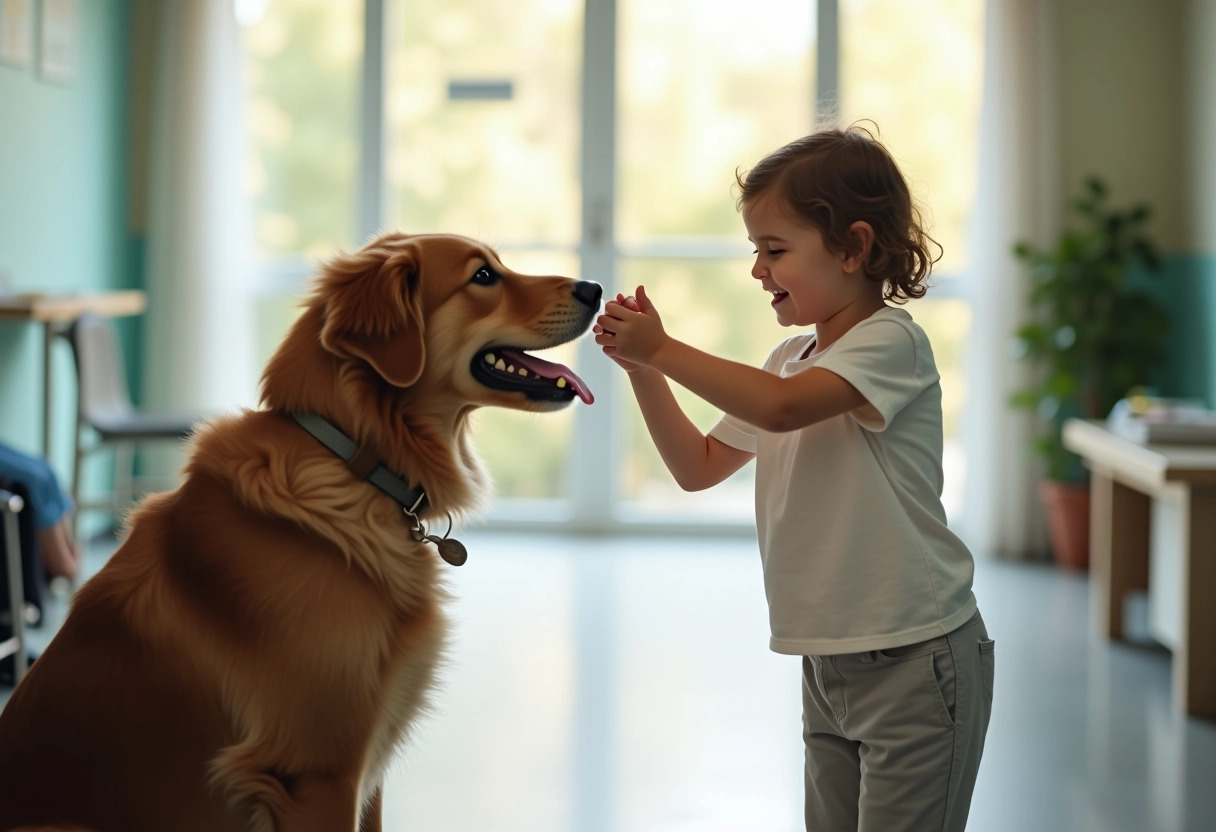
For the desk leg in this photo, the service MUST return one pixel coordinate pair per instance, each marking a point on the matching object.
(48, 337)
(1195, 656)
(1118, 549)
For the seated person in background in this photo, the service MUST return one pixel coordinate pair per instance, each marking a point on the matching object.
(51, 508)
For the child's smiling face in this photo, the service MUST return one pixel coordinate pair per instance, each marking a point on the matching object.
(809, 283)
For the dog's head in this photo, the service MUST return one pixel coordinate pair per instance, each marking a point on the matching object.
(434, 316)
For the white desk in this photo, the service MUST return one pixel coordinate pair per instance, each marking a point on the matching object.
(1131, 484)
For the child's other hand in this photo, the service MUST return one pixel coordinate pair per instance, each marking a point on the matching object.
(630, 330)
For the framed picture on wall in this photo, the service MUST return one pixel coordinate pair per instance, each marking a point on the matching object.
(16, 32)
(60, 40)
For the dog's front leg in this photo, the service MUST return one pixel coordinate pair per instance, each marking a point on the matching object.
(321, 804)
(370, 819)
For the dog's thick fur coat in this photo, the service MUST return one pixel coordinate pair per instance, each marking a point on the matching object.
(255, 651)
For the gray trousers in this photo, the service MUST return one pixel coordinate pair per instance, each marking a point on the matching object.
(894, 737)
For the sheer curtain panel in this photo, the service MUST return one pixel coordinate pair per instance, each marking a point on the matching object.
(1016, 200)
(198, 328)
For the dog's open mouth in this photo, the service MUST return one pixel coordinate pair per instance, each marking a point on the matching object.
(510, 369)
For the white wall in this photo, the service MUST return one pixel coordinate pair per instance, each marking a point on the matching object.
(1120, 101)
(1199, 125)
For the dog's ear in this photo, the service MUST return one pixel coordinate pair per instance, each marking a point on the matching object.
(375, 311)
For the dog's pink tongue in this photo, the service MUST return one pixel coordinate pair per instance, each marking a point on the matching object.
(551, 370)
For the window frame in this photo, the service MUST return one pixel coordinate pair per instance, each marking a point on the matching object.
(592, 505)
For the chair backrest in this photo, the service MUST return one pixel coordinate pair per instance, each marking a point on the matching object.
(102, 382)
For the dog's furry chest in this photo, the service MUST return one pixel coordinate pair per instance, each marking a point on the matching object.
(368, 595)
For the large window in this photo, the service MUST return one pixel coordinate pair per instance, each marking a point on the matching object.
(916, 74)
(600, 139)
(303, 61)
(303, 76)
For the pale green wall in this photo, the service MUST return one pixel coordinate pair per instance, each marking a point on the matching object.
(1195, 304)
(62, 206)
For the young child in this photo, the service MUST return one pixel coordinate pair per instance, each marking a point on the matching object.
(863, 578)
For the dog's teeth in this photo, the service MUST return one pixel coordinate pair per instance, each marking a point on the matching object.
(500, 364)
(523, 372)
(561, 382)
(510, 367)
(490, 358)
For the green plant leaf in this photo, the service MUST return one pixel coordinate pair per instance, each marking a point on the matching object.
(1084, 207)
(1025, 399)
(1093, 332)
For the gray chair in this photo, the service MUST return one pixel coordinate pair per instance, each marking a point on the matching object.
(106, 416)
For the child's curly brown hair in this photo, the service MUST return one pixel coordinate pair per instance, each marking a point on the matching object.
(833, 178)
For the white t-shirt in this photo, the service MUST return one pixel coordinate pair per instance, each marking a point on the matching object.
(852, 533)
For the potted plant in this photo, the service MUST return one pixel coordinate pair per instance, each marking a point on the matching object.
(1093, 334)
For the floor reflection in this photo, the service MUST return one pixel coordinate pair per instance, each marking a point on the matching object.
(625, 685)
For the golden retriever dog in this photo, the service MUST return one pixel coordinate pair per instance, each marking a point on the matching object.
(255, 651)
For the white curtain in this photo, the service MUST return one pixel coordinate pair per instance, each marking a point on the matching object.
(198, 330)
(1017, 200)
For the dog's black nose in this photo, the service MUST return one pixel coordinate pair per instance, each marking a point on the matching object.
(589, 293)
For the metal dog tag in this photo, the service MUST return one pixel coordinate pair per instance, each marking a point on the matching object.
(450, 549)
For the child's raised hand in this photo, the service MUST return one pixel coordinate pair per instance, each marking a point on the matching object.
(627, 366)
(630, 330)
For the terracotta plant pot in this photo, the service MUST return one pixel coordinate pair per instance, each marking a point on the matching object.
(1067, 507)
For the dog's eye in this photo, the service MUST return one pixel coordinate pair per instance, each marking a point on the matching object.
(485, 276)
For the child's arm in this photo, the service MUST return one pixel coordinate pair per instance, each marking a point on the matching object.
(758, 397)
(695, 460)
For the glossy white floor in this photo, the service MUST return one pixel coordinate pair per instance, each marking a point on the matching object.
(625, 685)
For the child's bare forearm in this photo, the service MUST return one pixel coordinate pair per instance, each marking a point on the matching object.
(745, 392)
(681, 444)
